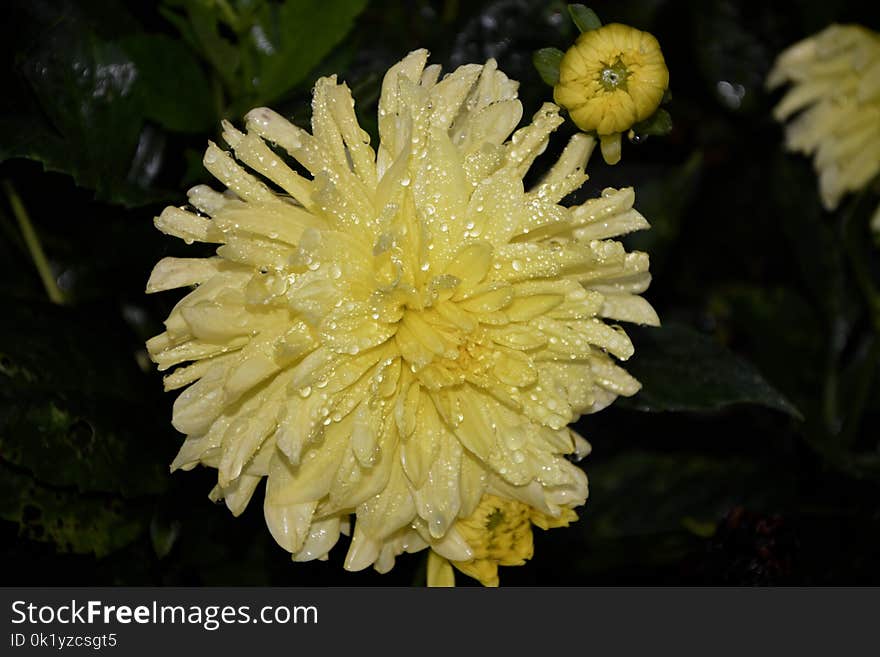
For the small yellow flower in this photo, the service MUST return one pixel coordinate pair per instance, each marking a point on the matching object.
(609, 80)
(403, 331)
(499, 533)
(835, 92)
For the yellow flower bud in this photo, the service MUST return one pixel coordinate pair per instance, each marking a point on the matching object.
(609, 80)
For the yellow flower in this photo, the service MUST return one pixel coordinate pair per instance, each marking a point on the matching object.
(400, 332)
(499, 533)
(609, 80)
(835, 78)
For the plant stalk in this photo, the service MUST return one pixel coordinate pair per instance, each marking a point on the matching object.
(32, 240)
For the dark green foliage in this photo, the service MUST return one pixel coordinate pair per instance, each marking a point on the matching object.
(71, 522)
(658, 124)
(584, 17)
(706, 376)
(547, 62)
(260, 50)
(180, 102)
(75, 104)
(71, 391)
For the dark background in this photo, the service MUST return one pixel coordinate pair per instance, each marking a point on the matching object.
(750, 457)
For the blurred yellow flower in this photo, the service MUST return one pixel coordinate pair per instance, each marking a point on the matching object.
(499, 533)
(835, 78)
(401, 332)
(609, 80)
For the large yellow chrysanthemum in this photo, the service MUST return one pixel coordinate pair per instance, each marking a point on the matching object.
(609, 80)
(403, 332)
(835, 77)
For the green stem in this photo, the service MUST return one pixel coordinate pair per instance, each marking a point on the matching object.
(829, 394)
(858, 264)
(860, 394)
(33, 244)
(229, 15)
(864, 279)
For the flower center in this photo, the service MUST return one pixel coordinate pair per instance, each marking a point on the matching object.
(495, 518)
(614, 76)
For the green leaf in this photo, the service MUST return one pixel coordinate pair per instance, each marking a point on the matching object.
(683, 370)
(289, 43)
(778, 327)
(171, 86)
(75, 410)
(584, 18)
(200, 27)
(817, 250)
(262, 50)
(658, 124)
(73, 106)
(547, 62)
(73, 522)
